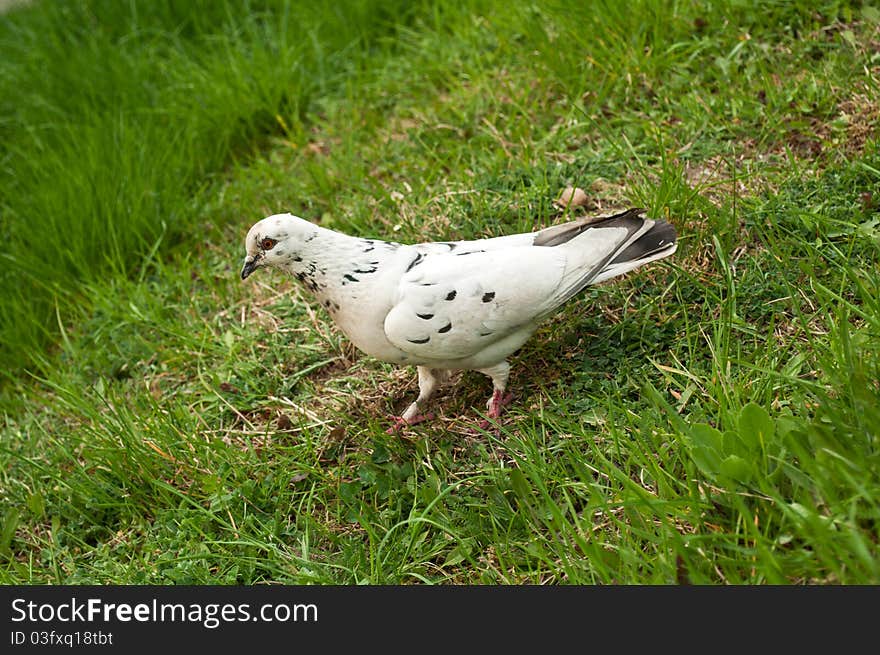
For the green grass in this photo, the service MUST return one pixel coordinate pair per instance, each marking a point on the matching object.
(710, 419)
(116, 116)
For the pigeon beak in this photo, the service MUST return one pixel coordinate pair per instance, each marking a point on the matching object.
(250, 265)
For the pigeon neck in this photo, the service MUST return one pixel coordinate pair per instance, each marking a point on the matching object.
(322, 262)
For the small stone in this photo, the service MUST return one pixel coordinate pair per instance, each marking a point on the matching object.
(572, 196)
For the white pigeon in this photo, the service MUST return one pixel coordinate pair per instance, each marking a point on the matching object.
(453, 305)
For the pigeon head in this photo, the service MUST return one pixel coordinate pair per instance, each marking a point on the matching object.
(270, 242)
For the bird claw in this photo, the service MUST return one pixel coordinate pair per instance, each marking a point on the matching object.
(400, 423)
(484, 426)
(497, 402)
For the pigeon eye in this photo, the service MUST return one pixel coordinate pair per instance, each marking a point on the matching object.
(268, 244)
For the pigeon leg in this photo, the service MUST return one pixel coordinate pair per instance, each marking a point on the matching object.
(499, 374)
(429, 380)
(498, 400)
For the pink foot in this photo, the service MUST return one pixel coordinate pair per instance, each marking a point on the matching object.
(498, 402)
(400, 422)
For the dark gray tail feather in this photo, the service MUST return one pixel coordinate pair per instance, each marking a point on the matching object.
(556, 235)
(660, 237)
(646, 240)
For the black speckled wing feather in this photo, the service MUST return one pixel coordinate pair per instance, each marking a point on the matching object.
(450, 306)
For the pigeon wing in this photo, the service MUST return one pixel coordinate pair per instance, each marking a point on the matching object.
(452, 306)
